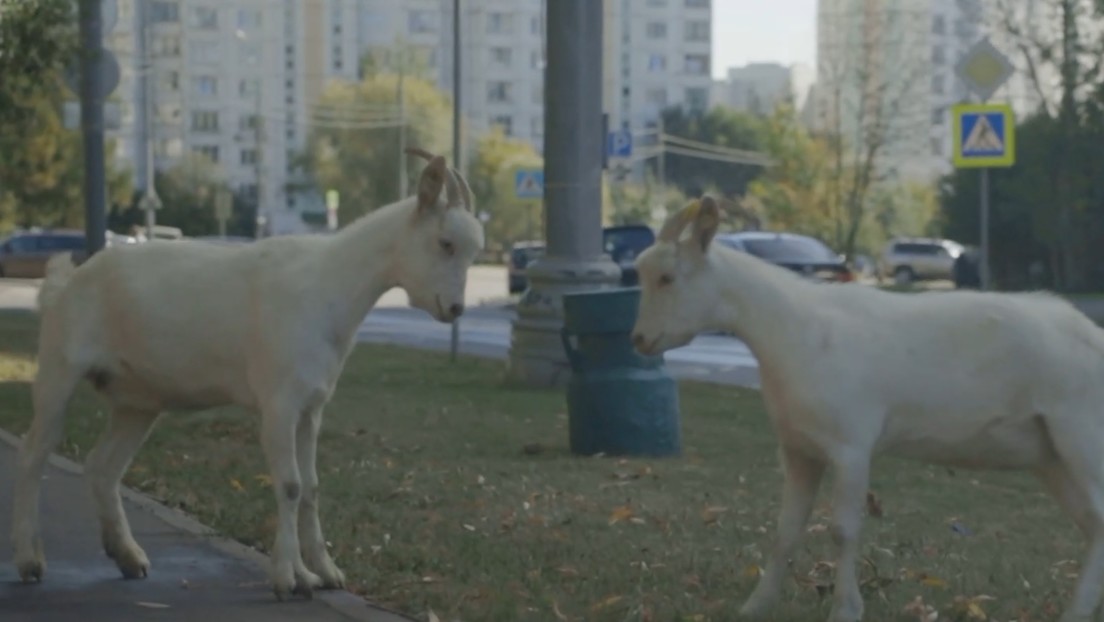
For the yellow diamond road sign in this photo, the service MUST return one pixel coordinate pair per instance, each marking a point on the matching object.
(984, 136)
(984, 69)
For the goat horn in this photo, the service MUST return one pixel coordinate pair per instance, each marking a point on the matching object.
(466, 188)
(418, 151)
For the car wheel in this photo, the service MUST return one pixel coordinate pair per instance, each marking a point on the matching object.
(904, 276)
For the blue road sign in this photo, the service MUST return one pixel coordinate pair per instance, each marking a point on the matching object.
(984, 135)
(619, 144)
(529, 183)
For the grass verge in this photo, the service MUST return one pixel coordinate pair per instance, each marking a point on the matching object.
(444, 489)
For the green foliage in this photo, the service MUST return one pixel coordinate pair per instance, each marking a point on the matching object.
(633, 204)
(491, 175)
(41, 163)
(722, 127)
(361, 160)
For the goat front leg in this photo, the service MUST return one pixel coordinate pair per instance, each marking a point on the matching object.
(802, 480)
(289, 573)
(852, 477)
(310, 527)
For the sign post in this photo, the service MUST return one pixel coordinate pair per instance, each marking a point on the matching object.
(333, 199)
(984, 135)
(224, 207)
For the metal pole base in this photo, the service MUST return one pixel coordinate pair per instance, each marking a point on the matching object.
(537, 358)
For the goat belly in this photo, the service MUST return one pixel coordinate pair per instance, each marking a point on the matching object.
(1014, 442)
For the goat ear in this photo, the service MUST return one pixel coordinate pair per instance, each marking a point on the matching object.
(706, 221)
(431, 183)
(676, 223)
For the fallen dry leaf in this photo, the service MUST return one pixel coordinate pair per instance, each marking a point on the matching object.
(556, 611)
(753, 570)
(152, 605)
(932, 581)
(711, 514)
(620, 513)
(606, 602)
(264, 479)
(922, 611)
(431, 616)
(236, 485)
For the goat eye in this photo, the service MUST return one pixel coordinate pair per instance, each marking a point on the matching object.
(446, 246)
(666, 279)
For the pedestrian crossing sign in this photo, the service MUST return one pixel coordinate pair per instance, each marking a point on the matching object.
(984, 136)
(529, 184)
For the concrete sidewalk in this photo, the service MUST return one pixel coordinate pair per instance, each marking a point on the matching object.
(194, 576)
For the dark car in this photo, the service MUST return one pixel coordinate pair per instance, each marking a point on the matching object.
(622, 243)
(802, 254)
(24, 254)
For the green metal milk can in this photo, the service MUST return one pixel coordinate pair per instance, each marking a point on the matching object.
(619, 402)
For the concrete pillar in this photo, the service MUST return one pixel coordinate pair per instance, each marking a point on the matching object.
(573, 146)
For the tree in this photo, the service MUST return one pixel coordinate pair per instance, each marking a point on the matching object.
(872, 100)
(632, 204)
(491, 175)
(355, 146)
(41, 163)
(720, 127)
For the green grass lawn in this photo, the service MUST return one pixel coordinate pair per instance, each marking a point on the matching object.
(445, 489)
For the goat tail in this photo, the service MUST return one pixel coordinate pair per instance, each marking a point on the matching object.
(59, 270)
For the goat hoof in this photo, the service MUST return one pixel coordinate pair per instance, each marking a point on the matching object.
(31, 571)
(131, 561)
(330, 576)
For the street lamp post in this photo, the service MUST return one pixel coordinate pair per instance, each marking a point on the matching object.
(573, 148)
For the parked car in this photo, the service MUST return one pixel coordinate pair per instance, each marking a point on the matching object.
(521, 255)
(803, 254)
(24, 253)
(919, 259)
(622, 243)
(228, 239)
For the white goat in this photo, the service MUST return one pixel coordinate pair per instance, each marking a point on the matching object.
(189, 325)
(975, 380)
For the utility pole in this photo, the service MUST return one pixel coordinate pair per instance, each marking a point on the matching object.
(259, 136)
(662, 162)
(150, 202)
(457, 150)
(92, 123)
(573, 148)
(401, 97)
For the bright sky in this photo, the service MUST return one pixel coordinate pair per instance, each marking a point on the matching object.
(746, 31)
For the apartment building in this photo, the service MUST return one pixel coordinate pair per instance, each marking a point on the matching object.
(758, 88)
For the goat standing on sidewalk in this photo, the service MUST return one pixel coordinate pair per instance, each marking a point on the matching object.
(187, 326)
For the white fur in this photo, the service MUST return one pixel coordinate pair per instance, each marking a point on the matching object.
(191, 325)
(975, 380)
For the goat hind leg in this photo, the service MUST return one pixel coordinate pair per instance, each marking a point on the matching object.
(104, 468)
(289, 573)
(852, 477)
(802, 479)
(310, 527)
(53, 386)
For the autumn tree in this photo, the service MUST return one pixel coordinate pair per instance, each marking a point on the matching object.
(492, 172)
(355, 144)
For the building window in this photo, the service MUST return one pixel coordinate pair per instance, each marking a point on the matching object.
(506, 122)
(249, 19)
(697, 64)
(248, 87)
(164, 12)
(501, 56)
(172, 81)
(210, 151)
(538, 94)
(535, 25)
(939, 25)
(697, 4)
(937, 84)
(167, 46)
(206, 86)
(657, 63)
(657, 4)
(247, 123)
(205, 18)
(499, 92)
(656, 30)
(500, 23)
(697, 31)
(421, 22)
(205, 121)
(248, 192)
(536, 127)
(937, 146)
(939, 56)
(248, 157)
(697, 99)
(656, 97)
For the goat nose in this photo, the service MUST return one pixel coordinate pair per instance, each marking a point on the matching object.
(456, 310)
(638, 340)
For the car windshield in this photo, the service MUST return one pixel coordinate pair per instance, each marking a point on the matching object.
(790, 249)
(522, 256)
(625, 244)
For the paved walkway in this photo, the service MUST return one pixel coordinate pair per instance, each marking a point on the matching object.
(193, 577)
